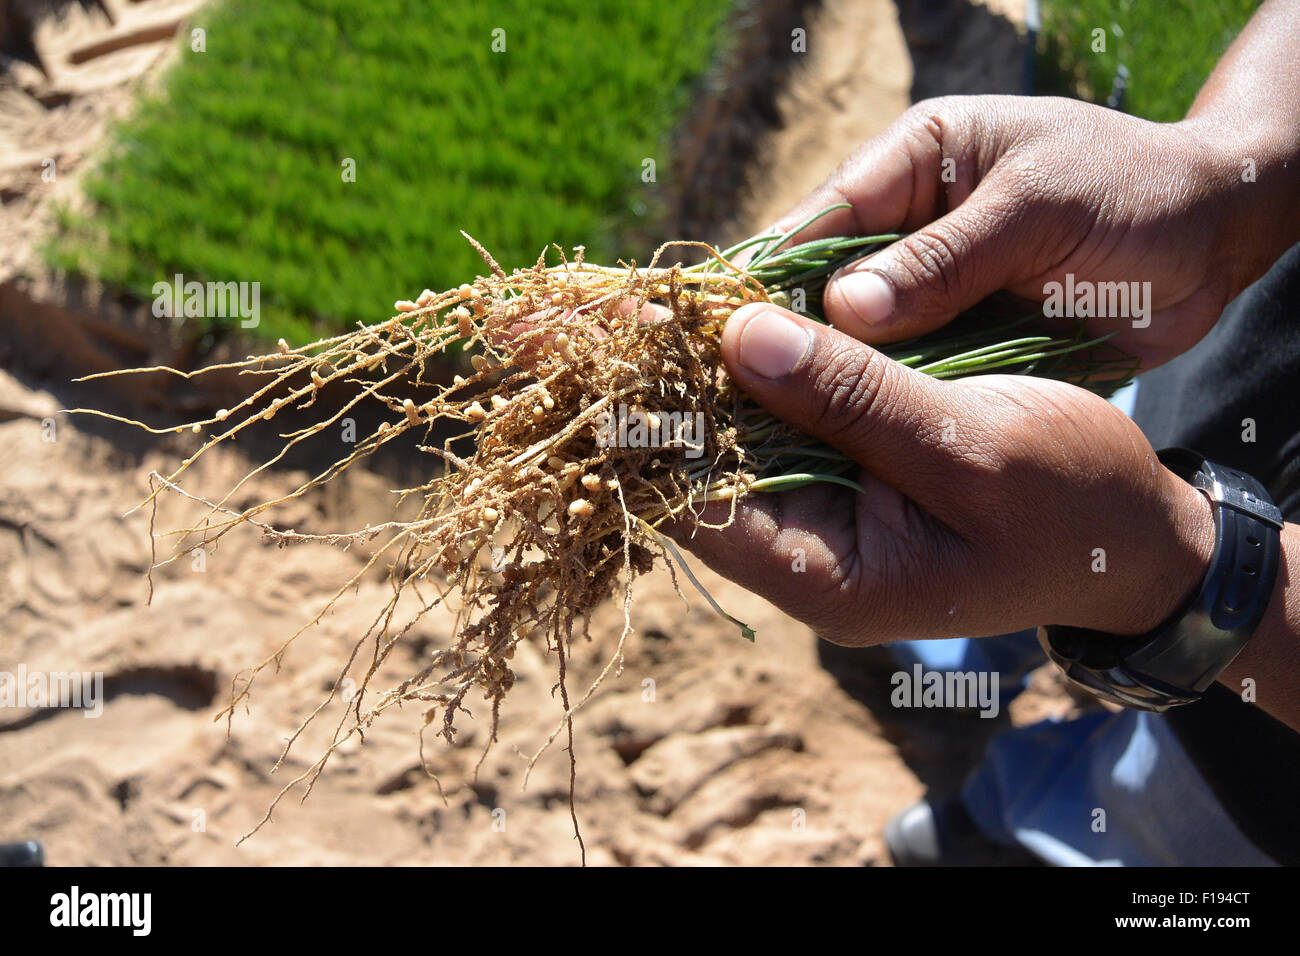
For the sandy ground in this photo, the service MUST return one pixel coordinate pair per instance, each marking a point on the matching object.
(706, 750)
(86, 64)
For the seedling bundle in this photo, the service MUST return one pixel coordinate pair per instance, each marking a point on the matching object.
(595, 410)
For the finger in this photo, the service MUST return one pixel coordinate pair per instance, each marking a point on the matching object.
(899, 180)
(925, 279)
(898, 423)
(796, 549)
(857, 568)
(766, 533)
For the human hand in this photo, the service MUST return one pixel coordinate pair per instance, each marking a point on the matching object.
(987, 499)
(1013, 193)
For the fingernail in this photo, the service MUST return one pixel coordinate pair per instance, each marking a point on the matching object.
(772, 345)
(868, 294)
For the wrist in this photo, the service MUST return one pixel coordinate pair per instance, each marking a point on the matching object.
(1175, 662)
(1249, 175)
(1170, 561)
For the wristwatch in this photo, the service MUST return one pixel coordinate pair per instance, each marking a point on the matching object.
(1177, 661)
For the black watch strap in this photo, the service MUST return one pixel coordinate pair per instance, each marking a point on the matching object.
(1176, 662)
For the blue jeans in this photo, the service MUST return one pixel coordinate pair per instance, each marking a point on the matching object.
(1103, 789)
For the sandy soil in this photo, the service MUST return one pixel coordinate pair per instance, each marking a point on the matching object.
(85, 64)
(706, 750)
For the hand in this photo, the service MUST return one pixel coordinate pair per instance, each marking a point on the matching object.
(987, 499)
(1011, 193)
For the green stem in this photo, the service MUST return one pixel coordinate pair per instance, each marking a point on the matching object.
(787, 482)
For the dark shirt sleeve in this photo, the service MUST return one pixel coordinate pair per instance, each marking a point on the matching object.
(1235, 398)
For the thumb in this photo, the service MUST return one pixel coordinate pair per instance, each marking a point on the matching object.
(925, 279)
(898, 423)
